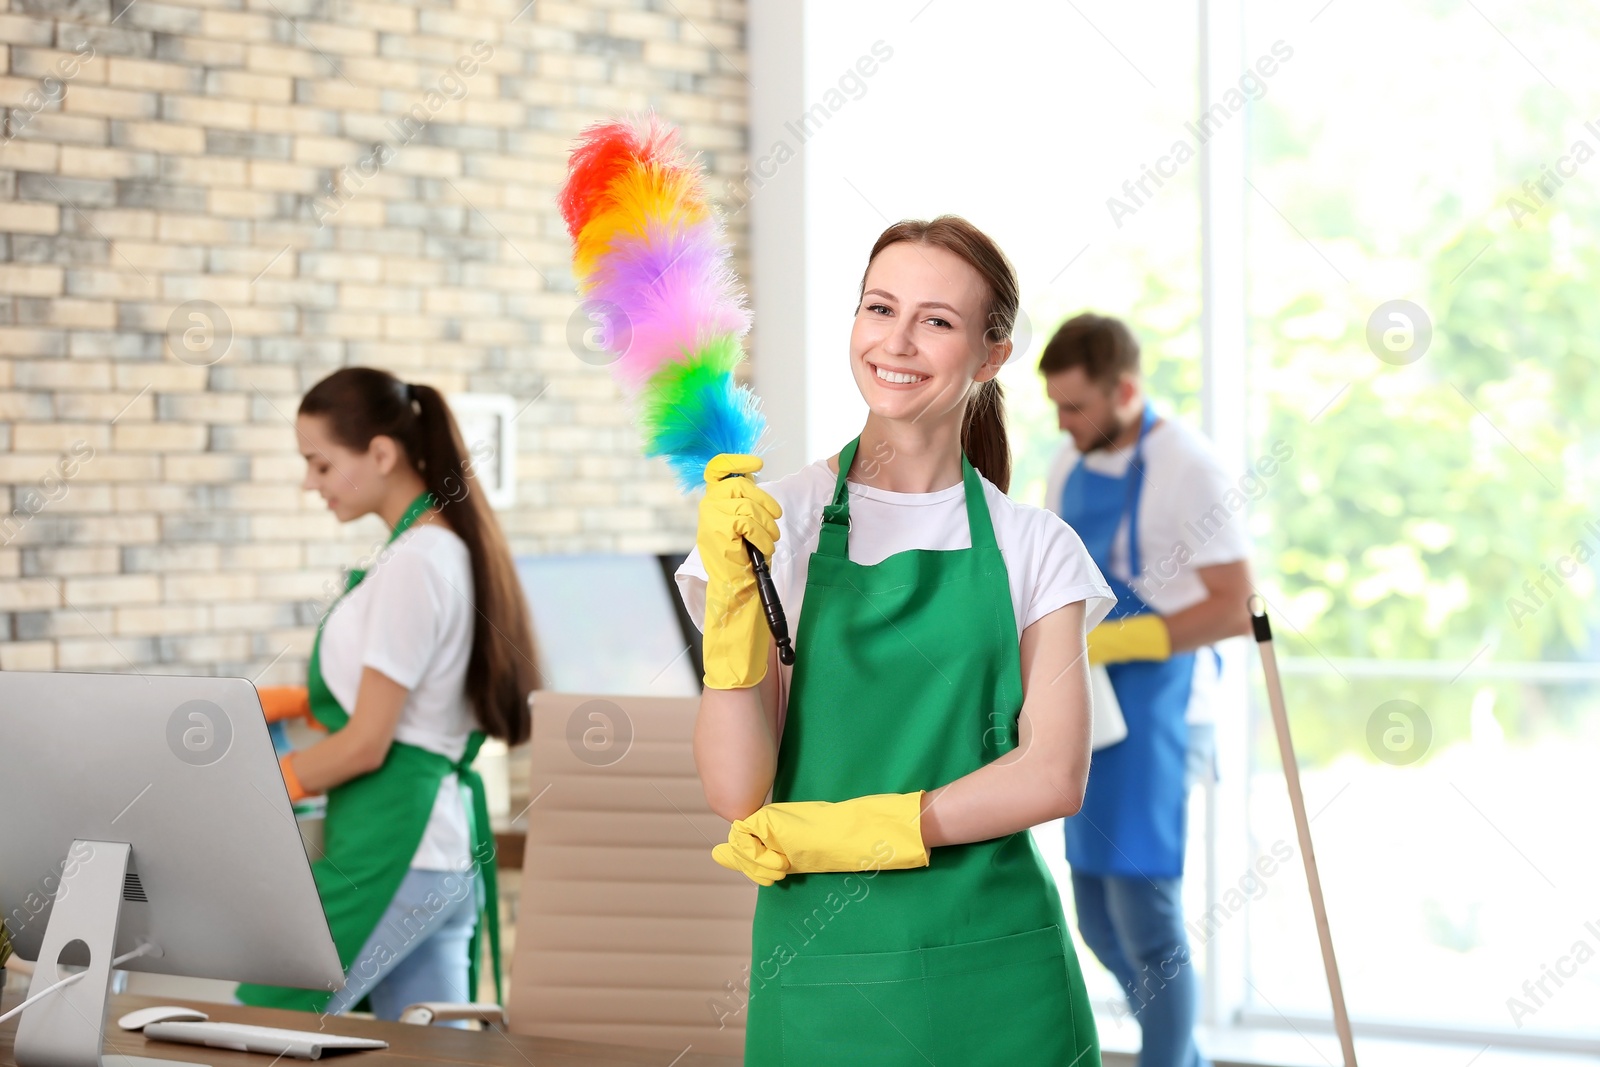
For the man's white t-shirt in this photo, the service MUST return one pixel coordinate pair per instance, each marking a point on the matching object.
(1191, 515)
(411, 619)
(1046, 564)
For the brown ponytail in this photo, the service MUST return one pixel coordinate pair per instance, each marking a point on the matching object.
(360, 403)
(983, 426)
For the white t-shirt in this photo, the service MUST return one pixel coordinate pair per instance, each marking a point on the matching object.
(411, 619)
(1191, 515)
(1046, 563)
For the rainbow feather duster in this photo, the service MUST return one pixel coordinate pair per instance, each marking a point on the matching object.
(650, 260)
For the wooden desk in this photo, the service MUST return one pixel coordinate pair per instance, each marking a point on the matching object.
(408, 1045)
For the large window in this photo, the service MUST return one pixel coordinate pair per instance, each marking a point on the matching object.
(1421, 249)
(1422, 262)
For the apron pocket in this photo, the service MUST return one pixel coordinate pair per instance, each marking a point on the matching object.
(1010, 1000)
(867, 1007)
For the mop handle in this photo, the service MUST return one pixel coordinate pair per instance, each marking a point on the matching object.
(1297, 800)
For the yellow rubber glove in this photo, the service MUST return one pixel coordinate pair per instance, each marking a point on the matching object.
(734, 509)
(878, 832)
(755, 861)
(1130, 638)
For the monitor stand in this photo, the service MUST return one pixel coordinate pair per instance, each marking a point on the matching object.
(67, 1028)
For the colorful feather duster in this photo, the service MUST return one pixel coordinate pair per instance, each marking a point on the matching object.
(649, 259)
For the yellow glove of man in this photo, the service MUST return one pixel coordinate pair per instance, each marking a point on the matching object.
(1130, 638)
(878, 832)
(733, 510)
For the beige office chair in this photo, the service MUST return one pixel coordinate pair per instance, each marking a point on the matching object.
(627, 931)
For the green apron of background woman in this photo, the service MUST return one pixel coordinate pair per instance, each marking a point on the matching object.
(372, 829)
(908, 677)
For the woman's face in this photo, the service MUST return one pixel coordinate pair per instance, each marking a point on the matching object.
(353, 483)
(918, 343)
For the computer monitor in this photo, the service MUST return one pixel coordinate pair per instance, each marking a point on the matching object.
(608, 623)
(146, 810)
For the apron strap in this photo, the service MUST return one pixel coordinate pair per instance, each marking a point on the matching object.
(833, 537)
(1136, 476)
(485, 858)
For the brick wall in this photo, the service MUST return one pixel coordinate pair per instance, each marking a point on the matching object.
(337, 182)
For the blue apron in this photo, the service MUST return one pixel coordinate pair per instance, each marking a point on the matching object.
(1134, 818)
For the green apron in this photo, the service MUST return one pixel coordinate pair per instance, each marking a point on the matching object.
(909, 677)
(373, 826)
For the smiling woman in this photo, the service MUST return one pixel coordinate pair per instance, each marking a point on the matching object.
(936, 710)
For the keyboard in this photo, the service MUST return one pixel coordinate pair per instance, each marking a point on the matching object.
(269, 1040)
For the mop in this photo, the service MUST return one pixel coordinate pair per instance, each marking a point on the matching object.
(1297, 800)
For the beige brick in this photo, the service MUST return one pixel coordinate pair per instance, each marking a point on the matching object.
(339, 40)
(295, 62)
(284, 177)
(35, 156)
(194, 229)
(127, 72)
(113, 591)
(240, 25)
(238, 84)
(223, 291)
(113, 284)
(168, 376)
(206, 170)
(383, 17)
(29, 218)
(258, 556)
(241, 203)
(63, 129)
(117, 529)
(29, 594)
(94, 653)
(204, 468)
(165, 137)
(112, 103)
(160, 498)
(158, 437)
(207, 111)
(160, 257)
(336, 93)
(82, 162)
(58, 563)
(122, 469)
(22, 342)
(120, 222)
(58, 436)
(28, 656)
(228, 408)
(26, 30)
(83, 314)
(166, 619)
(271, 118)
(22, 280)
(209, 587)
(103, 407)
(52, 373)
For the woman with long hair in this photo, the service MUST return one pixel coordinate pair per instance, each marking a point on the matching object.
(426, 652)
(937, 708)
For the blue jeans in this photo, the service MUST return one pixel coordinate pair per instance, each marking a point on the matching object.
(418, 951)
(1134, 926)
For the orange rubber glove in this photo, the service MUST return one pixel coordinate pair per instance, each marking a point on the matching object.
(281, 702)
(291, 780)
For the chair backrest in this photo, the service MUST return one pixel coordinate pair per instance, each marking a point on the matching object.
(627, 931)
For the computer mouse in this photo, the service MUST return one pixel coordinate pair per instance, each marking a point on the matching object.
(161, 1013)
